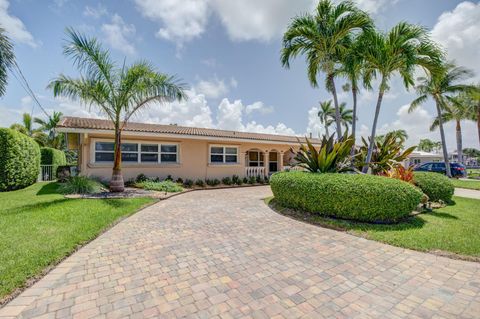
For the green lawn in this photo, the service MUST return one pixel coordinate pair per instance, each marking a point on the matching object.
(453, 229)
(40, 227)
(472, 184)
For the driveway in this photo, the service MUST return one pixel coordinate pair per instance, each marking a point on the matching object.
(224, 254)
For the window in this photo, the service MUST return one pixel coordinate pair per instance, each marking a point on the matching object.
(273, 161)
(255, 158)
(137, 152)
(223, 155)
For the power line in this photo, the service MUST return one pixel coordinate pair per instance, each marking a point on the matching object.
(18, 74)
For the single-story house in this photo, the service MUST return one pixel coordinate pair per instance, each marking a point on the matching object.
(186, 152)
(420, 157)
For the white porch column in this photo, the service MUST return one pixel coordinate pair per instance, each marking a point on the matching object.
(280, 161)
(266, 162)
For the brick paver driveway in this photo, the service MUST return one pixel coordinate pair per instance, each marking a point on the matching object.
(224, 254)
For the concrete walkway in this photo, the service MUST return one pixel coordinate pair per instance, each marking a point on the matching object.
(469, 193)
(225, 254)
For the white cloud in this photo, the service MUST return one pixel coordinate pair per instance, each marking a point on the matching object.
(374, 6)
(26, 101)
(14, 26)
(95, 12)
(118, 35)
(180, 21)
(258, 20)
(258, 107)
(213, 88)
(314, 127)
(459, 32)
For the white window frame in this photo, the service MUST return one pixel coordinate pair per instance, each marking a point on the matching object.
(224, 147)
(139, 152)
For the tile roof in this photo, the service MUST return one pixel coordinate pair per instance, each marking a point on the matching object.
(67, 123)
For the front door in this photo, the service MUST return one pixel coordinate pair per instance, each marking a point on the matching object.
(273, 162)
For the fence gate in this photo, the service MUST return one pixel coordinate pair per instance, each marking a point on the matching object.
(47, 173)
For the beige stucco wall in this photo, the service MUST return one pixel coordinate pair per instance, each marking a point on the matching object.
(193, 158)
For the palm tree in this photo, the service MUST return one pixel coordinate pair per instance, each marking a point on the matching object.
(438, 87)
(50, 125)
(324, 38)
(26, 127)
(426, 145)
(346, 116)
(7, 59)
(118, 92)
(456, 109)
(326, 113)
(400, 50)
(474, 97)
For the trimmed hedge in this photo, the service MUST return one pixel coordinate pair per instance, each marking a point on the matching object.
(52, 156)
(348, 196)
(19, 160)
(435, 185)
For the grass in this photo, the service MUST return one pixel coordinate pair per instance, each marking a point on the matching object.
(452, 229)
(472, 184)
(39, 227)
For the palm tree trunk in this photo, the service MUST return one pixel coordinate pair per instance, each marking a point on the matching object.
(337, 108)
(442, 136)
(354, 120)
(478, 122)
(374, 129)
(326, 127)
(116, 183)
(459, 142)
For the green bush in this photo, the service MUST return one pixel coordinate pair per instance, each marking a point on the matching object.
(348, 196)
(200, 183)
(165, 186)
(227, 181)
(436, 186)
(188, 183)
(52, 156)
(19, 160)
(252, 180)
(80, 185)
(141, 178)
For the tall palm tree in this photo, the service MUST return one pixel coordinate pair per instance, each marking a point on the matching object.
(399, 51)
(438, 86)
(7, 59)
(455, 109)
(474, 97)
(117, 91)
(50, 124)
(324, 37)
(426, 145)
(326, 113)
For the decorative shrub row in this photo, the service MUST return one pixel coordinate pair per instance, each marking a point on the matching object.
(348, 196)
(436, 186)
(189, 183)
(19, 160)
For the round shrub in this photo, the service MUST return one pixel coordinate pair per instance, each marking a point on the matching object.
(348, 196)
(436, 186)
(19, 160)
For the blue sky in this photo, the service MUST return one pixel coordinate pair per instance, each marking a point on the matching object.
(228, 53)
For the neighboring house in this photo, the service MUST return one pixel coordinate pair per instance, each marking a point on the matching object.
(186, 152)
(467, 160)
(420, 157)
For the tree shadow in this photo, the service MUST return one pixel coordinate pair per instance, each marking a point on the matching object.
(115, 202)
(48, 189)
(27, 209)
(442, 215)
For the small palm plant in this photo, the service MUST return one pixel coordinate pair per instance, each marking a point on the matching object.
(326, 114)
(49, 125)
(118, 92)
(26, 127)
(332, 156)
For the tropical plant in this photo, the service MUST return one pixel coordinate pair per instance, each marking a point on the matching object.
(118, 92)
(49, 126)
(474, 96)
(401, 136)
(26, 127)
(385, 154)
(7, 59)
(332, 156)
(427, 145)
(438, 86)
(324, 37)
(455, 109)
(326, 113)
(399, 51)
(80, 185)
(401, 173)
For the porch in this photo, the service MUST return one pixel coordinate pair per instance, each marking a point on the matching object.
(266, 162)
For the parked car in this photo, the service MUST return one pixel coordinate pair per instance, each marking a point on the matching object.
(457, 169)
